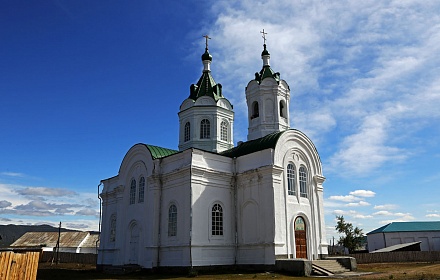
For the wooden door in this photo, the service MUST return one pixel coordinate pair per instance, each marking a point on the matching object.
(300, 238)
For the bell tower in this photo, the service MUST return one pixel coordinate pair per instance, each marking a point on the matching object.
(206, 117)
(268, 99)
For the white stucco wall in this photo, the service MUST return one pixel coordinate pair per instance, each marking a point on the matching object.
(430, 240)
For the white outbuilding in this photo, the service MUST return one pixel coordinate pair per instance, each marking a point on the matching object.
(427, 233)
(210, 203)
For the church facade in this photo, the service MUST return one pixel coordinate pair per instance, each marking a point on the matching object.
(210, 203)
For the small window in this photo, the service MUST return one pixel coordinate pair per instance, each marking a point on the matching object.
(217, 220)
(303, 181)
(224, 131)
(141, 189)
(187, 132)
(291, 179)
(255, 110)
(172, 220)
(205, 129)
(112, 237)
(133, 191)
(283, 109)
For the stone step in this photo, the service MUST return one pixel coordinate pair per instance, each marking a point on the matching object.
(330, 266)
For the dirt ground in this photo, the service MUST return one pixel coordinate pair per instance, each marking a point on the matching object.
(376, 271)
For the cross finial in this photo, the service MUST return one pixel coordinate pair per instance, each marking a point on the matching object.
(207, 38)
(264, 36)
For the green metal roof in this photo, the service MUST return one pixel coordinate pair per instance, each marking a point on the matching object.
(266, 72)
(206, 86)
(159, 152)
(266, 142)
(408, 226)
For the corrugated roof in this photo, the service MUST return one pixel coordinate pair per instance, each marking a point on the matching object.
(159, 152)
(49, 239)
(408, 226)
(91, 240)
(266, 142)
(397, 247)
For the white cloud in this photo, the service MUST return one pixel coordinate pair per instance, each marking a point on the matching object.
(383, 213)
(357, 204)
(432, 215)
(345, 198)
(363, 193)
(385, 207)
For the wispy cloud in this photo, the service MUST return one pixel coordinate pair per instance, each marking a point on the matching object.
(42, 191)
(12, 174)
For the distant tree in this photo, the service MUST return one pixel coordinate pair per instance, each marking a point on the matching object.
(352, 237)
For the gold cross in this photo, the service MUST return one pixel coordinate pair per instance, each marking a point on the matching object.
(264, 36)
(207, 38)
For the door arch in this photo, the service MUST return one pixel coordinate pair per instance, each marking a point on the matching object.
(134, 244)
(300, 238)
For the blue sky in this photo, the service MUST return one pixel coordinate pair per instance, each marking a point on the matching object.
(83, 81)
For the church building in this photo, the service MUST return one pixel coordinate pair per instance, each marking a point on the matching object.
(210, 203)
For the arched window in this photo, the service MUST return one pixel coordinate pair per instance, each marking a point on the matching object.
(224, 131)
(291, 179)
(172, 220)
(303, 181)
(112, 236)
(133, 191)
(217, 220)
(187, 132)
(141, 189)
(282, 109)
(255, 110)
(205, 129)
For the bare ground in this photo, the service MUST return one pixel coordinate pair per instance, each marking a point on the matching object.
(376, 271)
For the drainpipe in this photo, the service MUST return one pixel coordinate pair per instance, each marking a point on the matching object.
(190, 213)
(234, 186)
(100, 221)
(160, 214)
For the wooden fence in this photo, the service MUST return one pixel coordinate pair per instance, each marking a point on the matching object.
(64, 257)
(386, 257)
(19, 264)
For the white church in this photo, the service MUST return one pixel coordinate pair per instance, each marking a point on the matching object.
(210, 203)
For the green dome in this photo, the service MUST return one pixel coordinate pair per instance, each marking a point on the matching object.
(206, 56)
(265, 51)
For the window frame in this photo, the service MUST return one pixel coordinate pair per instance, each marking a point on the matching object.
(172, 220)
(302, 177)
(291, 179)
(205, 129)
(132, 196)
(217, 220)
(141, 191)
(224, 131)
(187, 132)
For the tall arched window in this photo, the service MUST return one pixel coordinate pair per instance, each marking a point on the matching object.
(291, 179)
(172, 220)
(217, 220)
(112, 236)
(255, 110)
(133, 191)
(303, 181)
(205, 129)
(187, 132)
(224, 131)
(282, 109)
(141, 189)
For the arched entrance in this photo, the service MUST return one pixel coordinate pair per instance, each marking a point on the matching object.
(134, 244)
(300, 238)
